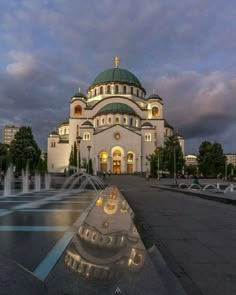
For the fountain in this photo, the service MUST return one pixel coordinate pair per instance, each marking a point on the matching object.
(8, 182)
(25, 181)
(37, 182)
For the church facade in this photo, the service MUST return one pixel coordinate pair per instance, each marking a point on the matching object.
(115, 125)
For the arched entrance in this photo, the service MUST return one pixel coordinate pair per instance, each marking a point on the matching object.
(116, 155)
(130, 163)
(103, 161)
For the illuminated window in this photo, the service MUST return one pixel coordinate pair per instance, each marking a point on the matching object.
(78, 110)
(148, 137)
(130, 158)
(86, 136)
(116, 153)
(155, 112)
(103, 157)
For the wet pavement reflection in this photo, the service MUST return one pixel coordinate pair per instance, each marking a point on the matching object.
(107, 243)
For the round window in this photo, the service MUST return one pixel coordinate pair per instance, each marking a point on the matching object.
(117, 135)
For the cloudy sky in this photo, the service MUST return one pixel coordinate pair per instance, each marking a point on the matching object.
(184, 49)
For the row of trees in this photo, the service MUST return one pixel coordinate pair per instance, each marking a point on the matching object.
(169, 158)
(74, 161)
(22, 152)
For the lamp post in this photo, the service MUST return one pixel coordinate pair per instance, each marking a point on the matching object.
(89, 148)
(78, 138)
(158, 165)
(175, 181)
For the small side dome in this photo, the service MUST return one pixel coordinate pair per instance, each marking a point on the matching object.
(154, 96)
(64, 123)
(79, 95)
(147, 124)
(54, 133)
(87, 123)
(167, 125)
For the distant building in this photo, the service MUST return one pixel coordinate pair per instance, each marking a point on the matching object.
(231, 159)
(9, 133)
(190, 160)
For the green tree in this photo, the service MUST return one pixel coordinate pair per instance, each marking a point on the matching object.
(191, 169)
(153, 159)
(24, 150)
(172, 150)
(73, 156)
(4, 156)
(211, 159)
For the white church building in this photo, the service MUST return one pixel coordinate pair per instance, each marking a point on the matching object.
(115, 125)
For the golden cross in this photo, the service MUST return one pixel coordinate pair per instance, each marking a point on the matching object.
(116, 60)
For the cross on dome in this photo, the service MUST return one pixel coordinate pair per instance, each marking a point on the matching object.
(116, 60)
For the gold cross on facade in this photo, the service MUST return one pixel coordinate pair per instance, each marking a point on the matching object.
(116, 60)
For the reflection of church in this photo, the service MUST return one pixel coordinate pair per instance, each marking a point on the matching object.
(115, 125)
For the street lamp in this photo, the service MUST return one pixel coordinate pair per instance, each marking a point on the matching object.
(78, 138)
(158, 165)
(89, 148)
(175, 180)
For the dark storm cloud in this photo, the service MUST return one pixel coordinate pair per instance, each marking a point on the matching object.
(184, 49)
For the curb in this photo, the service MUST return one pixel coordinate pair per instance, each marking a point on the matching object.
(210, 197)
(169, 280)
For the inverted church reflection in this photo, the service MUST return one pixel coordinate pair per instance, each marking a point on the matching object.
(107, 244)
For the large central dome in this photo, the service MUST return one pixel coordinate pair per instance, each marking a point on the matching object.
(117, 75)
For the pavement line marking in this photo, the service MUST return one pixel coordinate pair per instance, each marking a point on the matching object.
(5, 212)
(46, 265)
(35, 228)
(12, 201)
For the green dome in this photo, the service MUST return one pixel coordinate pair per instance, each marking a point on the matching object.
(147, 124)
(79, 94)
(87, 123)
(115, 107)
(117, 75)
(154, 96)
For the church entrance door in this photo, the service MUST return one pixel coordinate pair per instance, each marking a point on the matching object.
(116, 166)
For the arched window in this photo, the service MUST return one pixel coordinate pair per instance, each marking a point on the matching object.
(130, 158)
(78, 110)
(86, 136)
(97, 122)
(148, 137)
(131, 121)
(95, 92)
(155, 112)
(125, 120)
(108, 89)
(101, 90)
(131, 90)
(116, 88)
(64, 130)
(124, 89)
(116, 153)
(103, 157)
(117, 120)
(109, 120)
(103, 121)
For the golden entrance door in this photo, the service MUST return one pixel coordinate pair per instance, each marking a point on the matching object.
(116, 166)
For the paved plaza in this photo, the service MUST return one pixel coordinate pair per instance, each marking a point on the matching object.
(196, 237)
(191, 242)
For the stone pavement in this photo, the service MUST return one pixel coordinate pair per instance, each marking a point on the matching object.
(196, 237)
